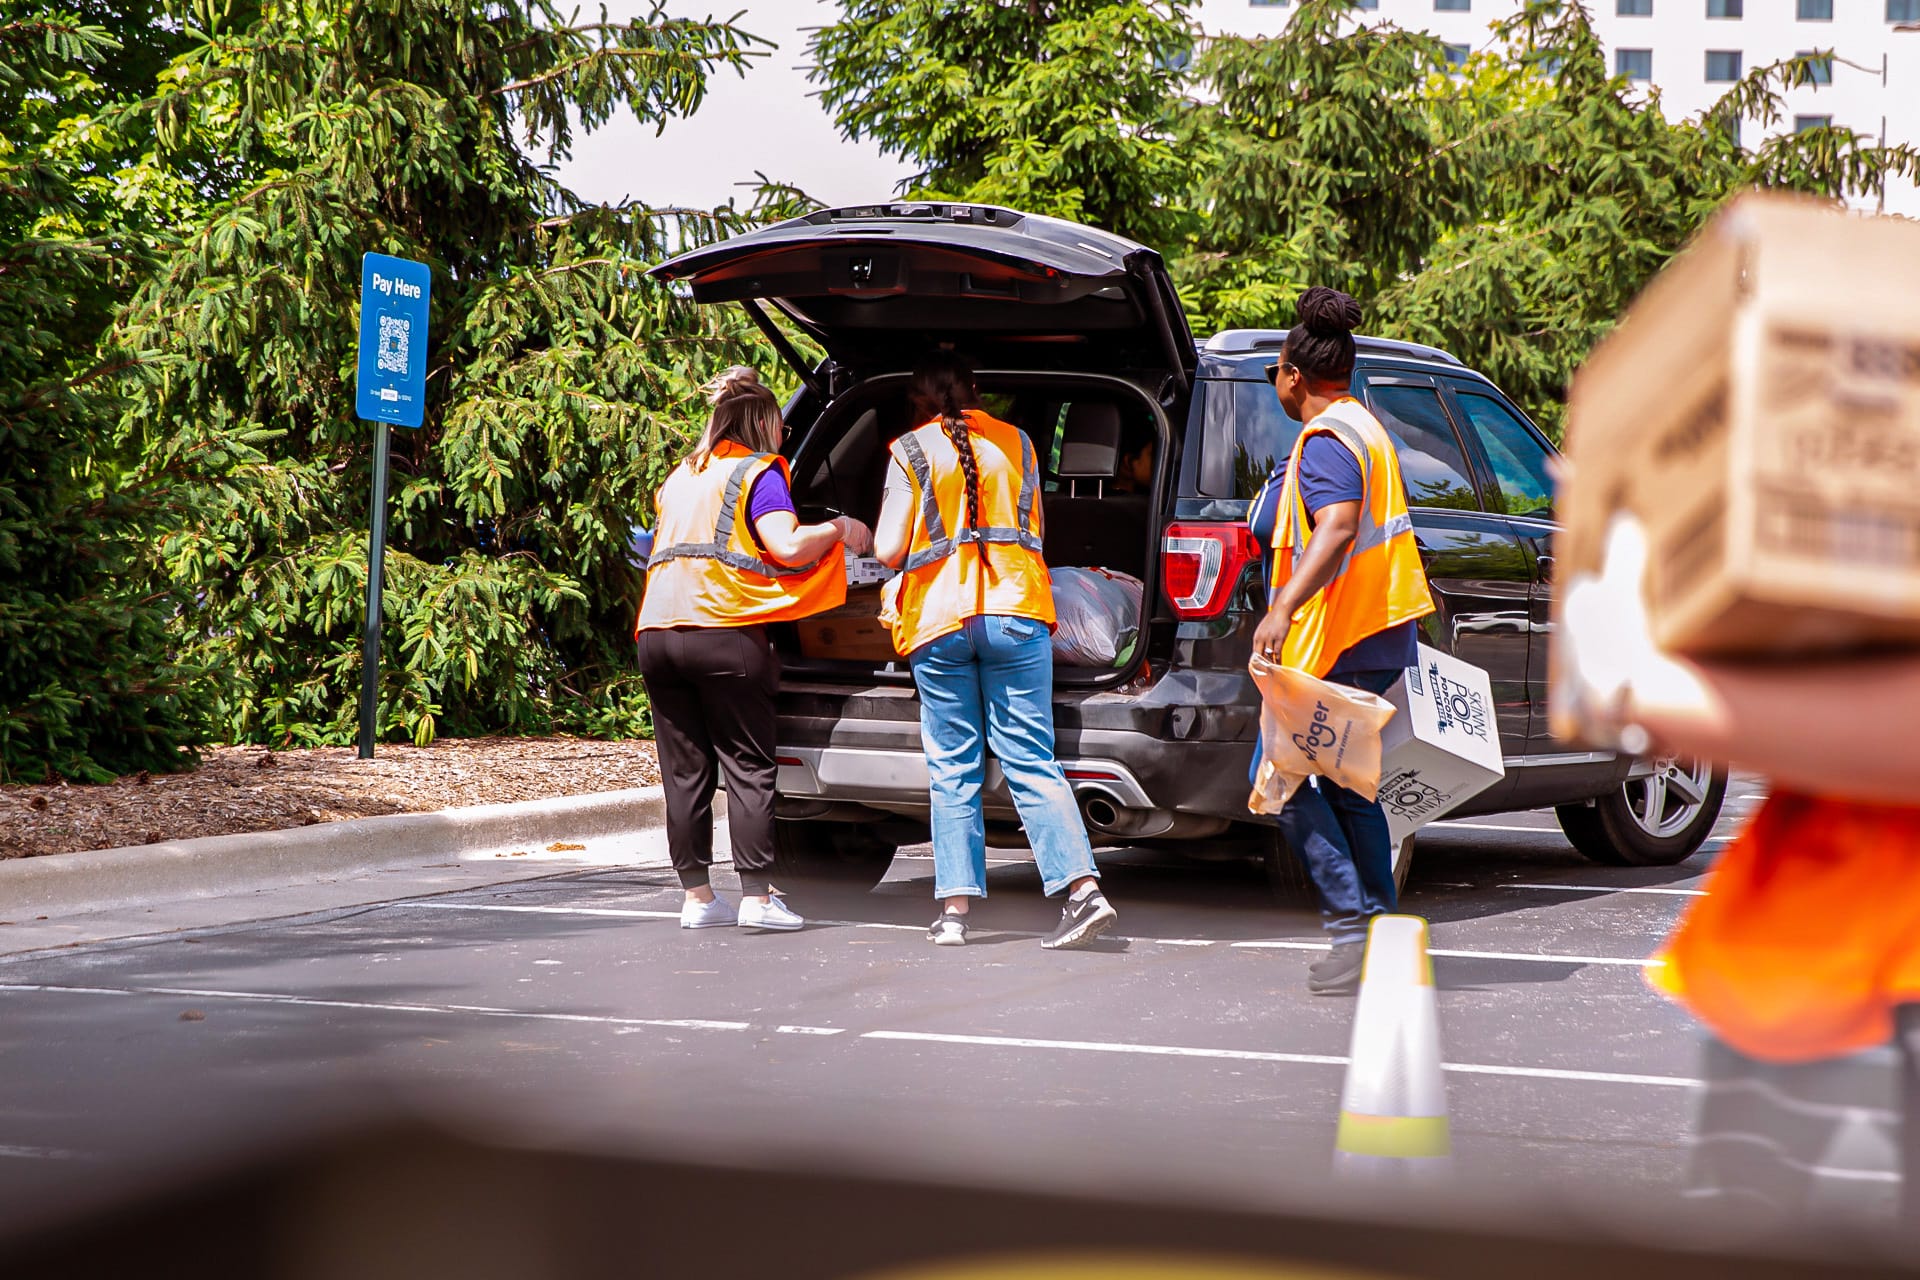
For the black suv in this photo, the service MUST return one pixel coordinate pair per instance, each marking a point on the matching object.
(1080, 340)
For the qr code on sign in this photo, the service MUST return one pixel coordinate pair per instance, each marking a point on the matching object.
(393, 344)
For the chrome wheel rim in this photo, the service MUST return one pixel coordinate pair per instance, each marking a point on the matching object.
(1668, 800)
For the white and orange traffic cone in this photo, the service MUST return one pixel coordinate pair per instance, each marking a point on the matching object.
(1393, 1110)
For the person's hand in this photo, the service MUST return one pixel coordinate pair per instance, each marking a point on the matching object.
(1271, 635)
(857, 536)
(1604, 643)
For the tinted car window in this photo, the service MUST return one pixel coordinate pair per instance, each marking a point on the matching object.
(1431, 460)
(1519, 462)
(1247, 435)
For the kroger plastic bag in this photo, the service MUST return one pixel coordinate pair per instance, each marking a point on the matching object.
(1098, 617)
(1310, 726)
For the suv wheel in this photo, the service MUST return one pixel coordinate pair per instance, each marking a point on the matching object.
(1651, 821)
(1292, 887)
(850, 854)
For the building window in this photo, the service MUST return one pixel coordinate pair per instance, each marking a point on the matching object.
(1815, 11)
(1723, 66)
(1803, 123)
(1903, 10)
(1267, 4)
(1726, 8)
(1366, 4)
(1820, 69)
(1634, 64)
(1452, 6)
(1634, 8)
(1457, 55)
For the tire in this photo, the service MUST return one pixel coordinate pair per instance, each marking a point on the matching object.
(1653, 821)
(1291, 886)
(849, 855)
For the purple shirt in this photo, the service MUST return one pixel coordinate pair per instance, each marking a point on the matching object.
(768, 495)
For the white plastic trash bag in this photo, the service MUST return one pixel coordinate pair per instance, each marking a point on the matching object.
(1098, 616)
(1310, 726)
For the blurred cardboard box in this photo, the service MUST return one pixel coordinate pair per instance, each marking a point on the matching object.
(850, 633)
(1443, 748)
(1759, 409)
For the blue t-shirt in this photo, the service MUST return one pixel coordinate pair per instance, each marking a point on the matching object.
(1329, 473)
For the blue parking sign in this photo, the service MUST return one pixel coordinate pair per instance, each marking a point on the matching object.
(392, 385)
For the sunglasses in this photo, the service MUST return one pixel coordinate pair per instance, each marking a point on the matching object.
(1273, 371)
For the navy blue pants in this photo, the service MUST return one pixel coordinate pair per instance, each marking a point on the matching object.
(1342, 838)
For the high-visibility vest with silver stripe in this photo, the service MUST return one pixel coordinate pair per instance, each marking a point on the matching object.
(706, 570)
(1379, 582)
(955, 569)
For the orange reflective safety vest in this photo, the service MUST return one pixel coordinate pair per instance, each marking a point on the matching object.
(1379, 582)
(707, 571)
(946, 577)
(1809, 935)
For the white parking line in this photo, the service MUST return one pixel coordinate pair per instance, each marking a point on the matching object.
(1255, 944)
(1609, 888)
(1254, 1055)
(36, 1153)
(1445, 825)
(923, 1037)
(1536, 957)
(383, 1006)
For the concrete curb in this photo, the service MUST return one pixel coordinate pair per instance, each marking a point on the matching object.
(103, 879)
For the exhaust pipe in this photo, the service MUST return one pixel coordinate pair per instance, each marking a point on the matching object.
(1106, 816)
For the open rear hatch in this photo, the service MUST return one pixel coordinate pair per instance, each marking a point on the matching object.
(878, 285)
(1062, 320)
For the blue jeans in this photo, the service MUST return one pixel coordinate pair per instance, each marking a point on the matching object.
(1342, 838)
(990, 685)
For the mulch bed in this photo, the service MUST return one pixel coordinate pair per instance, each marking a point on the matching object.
(237, 789)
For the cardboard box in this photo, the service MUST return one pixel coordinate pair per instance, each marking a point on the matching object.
(1444, 746)
(1759, 409)
(850, 633)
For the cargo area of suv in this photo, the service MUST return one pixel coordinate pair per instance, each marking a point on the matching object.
(1080, 341)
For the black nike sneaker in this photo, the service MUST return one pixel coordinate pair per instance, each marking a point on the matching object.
(1081, 921)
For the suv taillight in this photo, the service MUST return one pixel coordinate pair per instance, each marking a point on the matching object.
(1201, 563)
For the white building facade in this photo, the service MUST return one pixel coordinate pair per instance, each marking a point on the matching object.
(1693, 50)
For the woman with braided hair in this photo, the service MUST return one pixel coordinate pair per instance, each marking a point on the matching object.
(973, 610)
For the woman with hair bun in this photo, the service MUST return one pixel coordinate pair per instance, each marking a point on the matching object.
(1347, 593)
(973, 610)
(729, 556)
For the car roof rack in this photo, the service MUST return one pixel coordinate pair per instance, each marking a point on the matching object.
(1248, 341)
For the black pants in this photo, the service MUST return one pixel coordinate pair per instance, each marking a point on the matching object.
(712, 690)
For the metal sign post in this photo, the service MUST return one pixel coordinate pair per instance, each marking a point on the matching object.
(391, 388)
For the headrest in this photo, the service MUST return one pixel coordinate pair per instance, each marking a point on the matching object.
(1090, 442)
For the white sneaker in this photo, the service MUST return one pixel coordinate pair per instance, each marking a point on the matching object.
(771, 914)
(705, 915)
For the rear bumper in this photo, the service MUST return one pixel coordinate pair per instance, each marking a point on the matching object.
(1129, 770)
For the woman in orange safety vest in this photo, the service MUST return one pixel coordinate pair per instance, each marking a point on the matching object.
(1806, 947)
(729, 557)
(1347, 594)
(972, 608)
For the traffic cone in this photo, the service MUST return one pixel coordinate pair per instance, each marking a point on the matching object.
(1393, 1110)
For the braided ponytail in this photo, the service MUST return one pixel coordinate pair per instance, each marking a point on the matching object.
(943, 385)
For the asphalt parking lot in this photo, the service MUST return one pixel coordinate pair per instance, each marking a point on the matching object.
(1183, 1057)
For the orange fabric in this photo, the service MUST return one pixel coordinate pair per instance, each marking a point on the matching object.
(1381, 584)
(1809, 934)
(707, 571)
(945, 581)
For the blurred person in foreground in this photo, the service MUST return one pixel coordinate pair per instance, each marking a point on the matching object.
(1348, 591)
(729, 556)
(1806, 948)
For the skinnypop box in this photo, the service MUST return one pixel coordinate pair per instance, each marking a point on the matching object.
(1443, 748)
